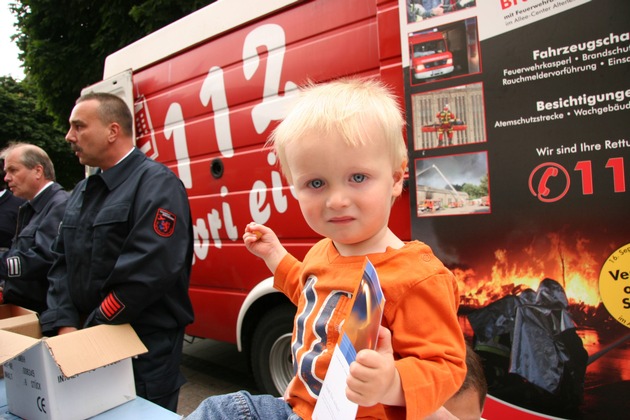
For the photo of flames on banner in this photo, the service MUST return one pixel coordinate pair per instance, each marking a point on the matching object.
(164, 223)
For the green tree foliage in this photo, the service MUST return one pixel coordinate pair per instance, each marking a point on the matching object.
(24, 121)
(476, 191)
(472, 190)
(64, 43)
(483, 185)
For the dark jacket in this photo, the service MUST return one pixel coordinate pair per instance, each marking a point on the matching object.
(25, 265)
(124, 251)
(8, 217)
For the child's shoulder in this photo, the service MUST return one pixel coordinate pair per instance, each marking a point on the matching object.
(415, 248)
(416, 258)
(414, 269)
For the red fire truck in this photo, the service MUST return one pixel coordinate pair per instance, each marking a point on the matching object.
(206, 91)
(430, 56)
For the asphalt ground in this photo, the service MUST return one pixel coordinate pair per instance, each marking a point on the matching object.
(211, 368)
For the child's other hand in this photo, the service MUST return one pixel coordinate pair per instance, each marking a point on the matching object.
(263, 242)
(254, 232)
(373, 376)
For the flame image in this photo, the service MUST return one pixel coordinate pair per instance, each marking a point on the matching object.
(572, 263)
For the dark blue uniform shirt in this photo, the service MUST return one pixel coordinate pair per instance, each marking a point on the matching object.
(124, 251)
(25, 265)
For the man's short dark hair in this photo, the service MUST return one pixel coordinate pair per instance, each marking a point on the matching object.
(475, 376)
(111, 109)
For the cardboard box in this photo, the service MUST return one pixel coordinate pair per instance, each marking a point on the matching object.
(19, 320)
(71, 376)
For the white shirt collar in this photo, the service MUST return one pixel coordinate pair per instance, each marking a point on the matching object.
(43, 188)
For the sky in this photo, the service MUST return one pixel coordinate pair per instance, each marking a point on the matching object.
(9, 62)
(465, 168)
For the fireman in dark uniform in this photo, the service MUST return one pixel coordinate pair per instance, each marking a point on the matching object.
(446, 119)
(31, 176)
(124, 250)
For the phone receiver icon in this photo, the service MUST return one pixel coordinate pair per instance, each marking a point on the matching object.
(543, 190)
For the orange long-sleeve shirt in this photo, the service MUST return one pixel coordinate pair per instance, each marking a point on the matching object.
(421, 304)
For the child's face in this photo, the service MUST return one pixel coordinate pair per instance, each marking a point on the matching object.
(345, 192)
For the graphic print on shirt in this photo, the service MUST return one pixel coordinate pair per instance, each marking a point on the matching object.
(316, 317)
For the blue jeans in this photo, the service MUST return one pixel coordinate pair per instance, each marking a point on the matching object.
(243, 405)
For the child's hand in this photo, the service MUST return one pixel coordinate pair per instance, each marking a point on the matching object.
(254, 232)
(373, 376)
(263, 242)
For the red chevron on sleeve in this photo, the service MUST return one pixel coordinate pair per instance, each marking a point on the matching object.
(111, 306)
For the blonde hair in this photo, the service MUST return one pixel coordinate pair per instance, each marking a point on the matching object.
(347, 107)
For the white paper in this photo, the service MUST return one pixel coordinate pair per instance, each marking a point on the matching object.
(332, 402)
(360, 331)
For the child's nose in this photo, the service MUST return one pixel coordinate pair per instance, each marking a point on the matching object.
(337, 198)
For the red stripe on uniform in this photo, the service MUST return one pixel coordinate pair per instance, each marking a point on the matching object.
(114, 302)
(108, 307)
(111, 306)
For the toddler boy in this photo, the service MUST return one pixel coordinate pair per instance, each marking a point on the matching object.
(341, 148)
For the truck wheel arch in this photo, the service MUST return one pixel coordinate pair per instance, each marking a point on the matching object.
(260, 299)
(264, 328)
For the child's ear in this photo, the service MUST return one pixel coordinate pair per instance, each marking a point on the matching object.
(399, 178)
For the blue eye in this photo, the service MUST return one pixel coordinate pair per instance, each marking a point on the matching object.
(316, 183)
(358, 178)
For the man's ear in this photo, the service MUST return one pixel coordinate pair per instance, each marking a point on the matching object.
(114, 132)
(39, 169)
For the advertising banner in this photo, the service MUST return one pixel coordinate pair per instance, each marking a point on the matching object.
(519, 138)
